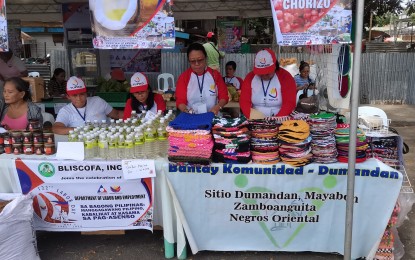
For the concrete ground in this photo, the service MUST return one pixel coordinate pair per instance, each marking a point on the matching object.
(145, 245)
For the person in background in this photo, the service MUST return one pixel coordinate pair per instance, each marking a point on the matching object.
(200, 89)
(268, 88)
(303, 80)
(18, 109)
(10, 66)
(230, 78)
(81, 108)
(213, 53)
(142, 98)
(57, 84)
(118, 75)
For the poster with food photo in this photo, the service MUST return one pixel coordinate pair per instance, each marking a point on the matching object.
(4, 39)
(132, 24)
(311, 22)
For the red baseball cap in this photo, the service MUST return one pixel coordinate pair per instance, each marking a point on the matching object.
(75, 86)
(265, 62)
(139, 82)
(210, 34)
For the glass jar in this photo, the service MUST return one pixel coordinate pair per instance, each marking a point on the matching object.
(27, 148)
(17, 149)
(37, 137)
(8, 148)
(17, 137)
(27, 137)
(38, 148)
(34, 125)
(49, 138)
(7, 138)
(49, 149)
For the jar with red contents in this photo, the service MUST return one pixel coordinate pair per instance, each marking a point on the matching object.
(48, 138)
(7, 139)
(49, 149)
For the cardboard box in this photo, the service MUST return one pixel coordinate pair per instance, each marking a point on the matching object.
(37, 88)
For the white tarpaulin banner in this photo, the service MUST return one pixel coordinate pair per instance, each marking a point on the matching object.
(85, 196)
(306, 22)
(237, 207)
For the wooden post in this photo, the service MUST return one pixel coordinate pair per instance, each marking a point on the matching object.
(370, 26)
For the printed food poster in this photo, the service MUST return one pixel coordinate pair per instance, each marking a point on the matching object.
(310, 22)
(132, 24)
(4, 39)
(229, 33)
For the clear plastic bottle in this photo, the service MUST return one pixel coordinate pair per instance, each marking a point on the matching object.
(133, 114)
(112, 147)
(139, 145)
(103, 124)
(129, 147)
(163, 143)
(121, 147)
(149, 143)
(88, 125)
(89, 147)
(103, 146)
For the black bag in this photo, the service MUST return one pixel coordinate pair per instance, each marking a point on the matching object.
(308, 104)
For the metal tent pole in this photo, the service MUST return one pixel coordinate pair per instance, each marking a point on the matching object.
(354, 104)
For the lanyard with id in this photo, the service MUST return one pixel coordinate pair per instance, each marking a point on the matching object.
(266, 90)
(79, 113)
(229, 81)
(200, 85)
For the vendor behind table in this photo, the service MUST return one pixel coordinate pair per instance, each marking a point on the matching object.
(82, 108)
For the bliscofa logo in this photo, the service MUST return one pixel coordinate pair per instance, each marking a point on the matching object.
(46, 169)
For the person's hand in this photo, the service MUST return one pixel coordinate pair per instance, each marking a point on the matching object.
(215, 109)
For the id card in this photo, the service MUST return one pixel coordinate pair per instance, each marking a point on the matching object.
(200, 108)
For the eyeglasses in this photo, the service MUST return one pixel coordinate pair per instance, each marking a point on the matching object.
(193, 62)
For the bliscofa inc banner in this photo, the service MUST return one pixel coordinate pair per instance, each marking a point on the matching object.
(85, 196)
(234, 207)
(310, 22)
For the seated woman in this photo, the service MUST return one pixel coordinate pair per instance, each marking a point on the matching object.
(82, 108)
(303, 80)
(230, 78)
(18, 109)
(268, 89)
(57, 84)
(200, 89)
(142, 97)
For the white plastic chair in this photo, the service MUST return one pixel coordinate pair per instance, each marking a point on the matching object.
(48, 117)
(372, 113)
(163, 82)
(34, 74)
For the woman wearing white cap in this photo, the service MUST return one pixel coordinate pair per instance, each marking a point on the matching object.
(142, 98)
(200, 89)
(269, 89)
(82, 108)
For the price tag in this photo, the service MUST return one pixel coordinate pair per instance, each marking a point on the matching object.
(138, 169)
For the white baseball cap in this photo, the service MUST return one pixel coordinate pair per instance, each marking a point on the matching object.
(75, 86)
(265, 62)
(139, 82)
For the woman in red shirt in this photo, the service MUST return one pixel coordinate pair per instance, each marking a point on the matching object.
(142, 97)
(200, 89)
(268, 89)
